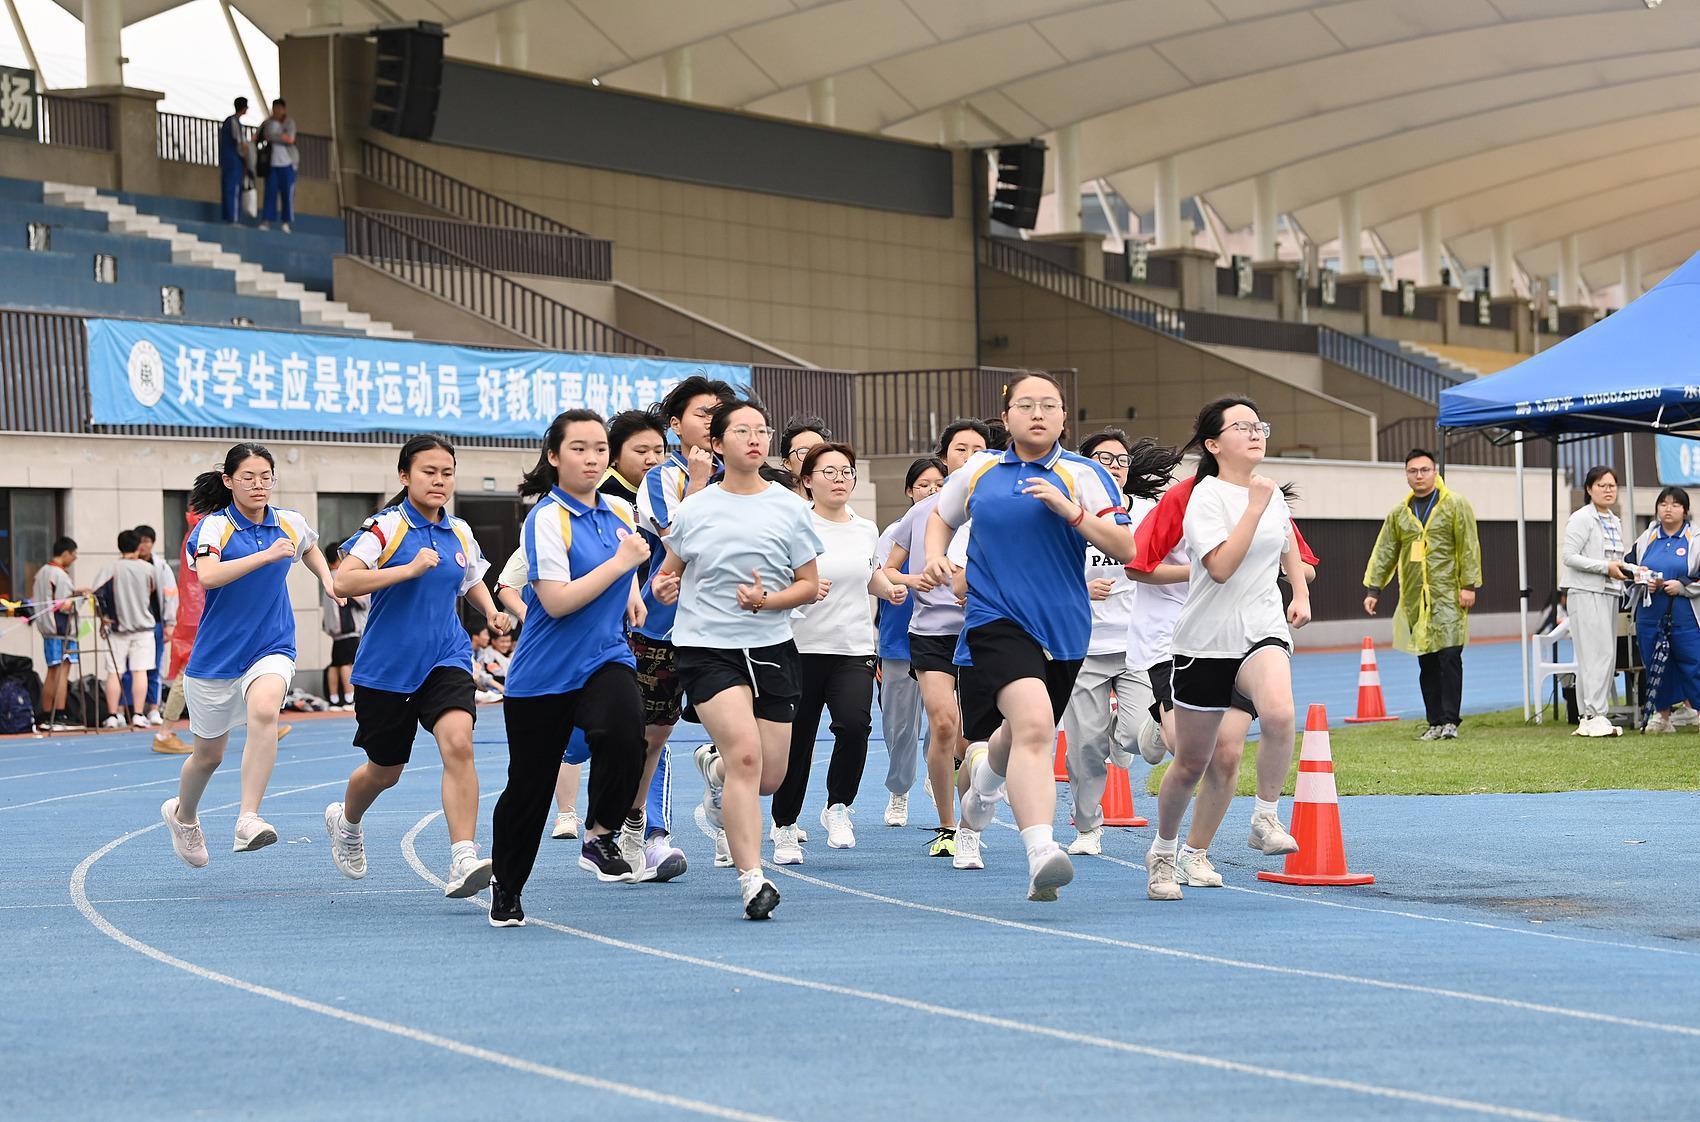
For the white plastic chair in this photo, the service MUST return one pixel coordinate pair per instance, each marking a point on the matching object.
(1543, 657)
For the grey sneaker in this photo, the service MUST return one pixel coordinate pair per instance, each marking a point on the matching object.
(1449, 732)
(632, 848)
(1151, 745)
(1195, 870)
(252, 832)
(1270, 837)
(1430, 733)
(1160, 883)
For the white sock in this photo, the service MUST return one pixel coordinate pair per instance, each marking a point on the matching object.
(750, 876)
(1188, 851)
(1267, 808)
(352, 829)
(335, 699)
(1038, 840)
(460, 849)
(1165, 846)
(986, 782)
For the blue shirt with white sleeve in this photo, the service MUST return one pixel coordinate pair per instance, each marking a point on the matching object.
(251, 617)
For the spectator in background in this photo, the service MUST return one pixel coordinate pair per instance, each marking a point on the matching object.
(165, 581)
(127, 589)
(56, 619)
(344, 623)
(232, 161)
(278, 133)
(1593, 573)
(483, 675)
(1430, 541)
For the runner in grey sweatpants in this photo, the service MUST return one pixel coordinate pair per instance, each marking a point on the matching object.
(902, 712)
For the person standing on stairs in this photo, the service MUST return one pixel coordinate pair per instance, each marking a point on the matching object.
(278, 135)
(232, 161)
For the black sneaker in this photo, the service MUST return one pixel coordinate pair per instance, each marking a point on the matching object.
(504, 908)
(601, 855)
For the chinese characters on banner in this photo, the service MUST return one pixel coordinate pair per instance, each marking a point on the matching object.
(167, 374)
(17, 103)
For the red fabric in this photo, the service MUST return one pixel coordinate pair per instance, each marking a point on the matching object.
(1163, 529)
(191, 599)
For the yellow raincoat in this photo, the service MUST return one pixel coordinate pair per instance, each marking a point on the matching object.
(1433, 561)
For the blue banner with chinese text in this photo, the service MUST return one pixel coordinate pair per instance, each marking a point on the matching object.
(149, 373)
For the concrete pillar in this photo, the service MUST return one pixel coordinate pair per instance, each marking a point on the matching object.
(955, 124)
(1502, 266)
(677, 81)
(823, 102)
(1167, 198)
(1429, 254)
(1351, 235)
(1631, 266)
(1068, 179)
(103, 49)
(1569, 274)
(510, 37)
(1264, 218)
(325, 13)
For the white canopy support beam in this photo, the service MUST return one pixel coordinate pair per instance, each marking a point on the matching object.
(24, 41)
(242, 53)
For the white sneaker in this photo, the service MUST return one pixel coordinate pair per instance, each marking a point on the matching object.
(348, 844)
(1195, 870)
(468, 876)
(1160, 876)
(139, 721)
(630, 842)
(1049, 871)
(967, 851)
(713, 771)
(897, 811)
(1660, 723)
(786, 851)
(662, 860)
(839, 833)
(978, 809)
(566, 825)
(154, 718)
(1151, 746)
(186, 838)
(722, 850)
(252, 832)
(1597, 726)
(1269, 837)
(759, 895)
(113, 722)
(1684, 717)
(1089, 843)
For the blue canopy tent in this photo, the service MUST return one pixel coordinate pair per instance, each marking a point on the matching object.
(1637, 370)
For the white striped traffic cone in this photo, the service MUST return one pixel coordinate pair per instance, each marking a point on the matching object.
(1321, 858)
(1371, 707)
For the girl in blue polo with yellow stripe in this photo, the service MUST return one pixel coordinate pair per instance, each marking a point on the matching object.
(244, 658)
(573, 668)
(1036, 508)
(414, 667)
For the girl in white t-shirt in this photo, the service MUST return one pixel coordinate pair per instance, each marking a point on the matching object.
(1232, 632)
(837, 651)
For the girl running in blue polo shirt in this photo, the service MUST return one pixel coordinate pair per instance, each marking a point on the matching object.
(573, 668)
(244, 658)
(1036, 508)
(737, 663)
(414, 667)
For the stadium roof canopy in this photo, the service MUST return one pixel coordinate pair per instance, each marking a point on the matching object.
(1551, 118)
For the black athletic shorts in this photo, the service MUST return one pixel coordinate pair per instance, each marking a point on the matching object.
(344, 650)
(1004, 653)
(933, 652)
(1208, 683)
(385, 721)
(658, 679)
(770, 672)
(1164, 696)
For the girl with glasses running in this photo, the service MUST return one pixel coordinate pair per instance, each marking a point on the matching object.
(740, 558)
(1036, 510)
(244, 656)
(1232, 633)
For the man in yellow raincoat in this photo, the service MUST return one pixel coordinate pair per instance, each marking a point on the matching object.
(1430, 541)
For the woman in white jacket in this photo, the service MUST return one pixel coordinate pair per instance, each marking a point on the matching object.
(1593, 576)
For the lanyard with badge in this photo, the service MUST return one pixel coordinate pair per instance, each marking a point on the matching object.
(1419, 547)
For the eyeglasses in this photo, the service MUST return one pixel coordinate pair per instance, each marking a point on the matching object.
(1113, 459)
(835, 473)
(248, 479)
(745, 432)
(1419, 471)
(1251, 428)
(1049, 407)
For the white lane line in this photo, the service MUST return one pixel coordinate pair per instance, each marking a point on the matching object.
(1479, 924)
(409, 850)
(79, 897)
(220, 899)
(168, 779)
(1246, 964)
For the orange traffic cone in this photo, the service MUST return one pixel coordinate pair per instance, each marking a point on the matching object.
(1059, 770)
(1371, 707)
(1321, 858)
(1118, 800)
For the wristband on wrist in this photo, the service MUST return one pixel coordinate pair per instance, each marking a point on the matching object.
(1079, 518)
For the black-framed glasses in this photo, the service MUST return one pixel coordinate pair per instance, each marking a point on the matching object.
(1113, 459)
